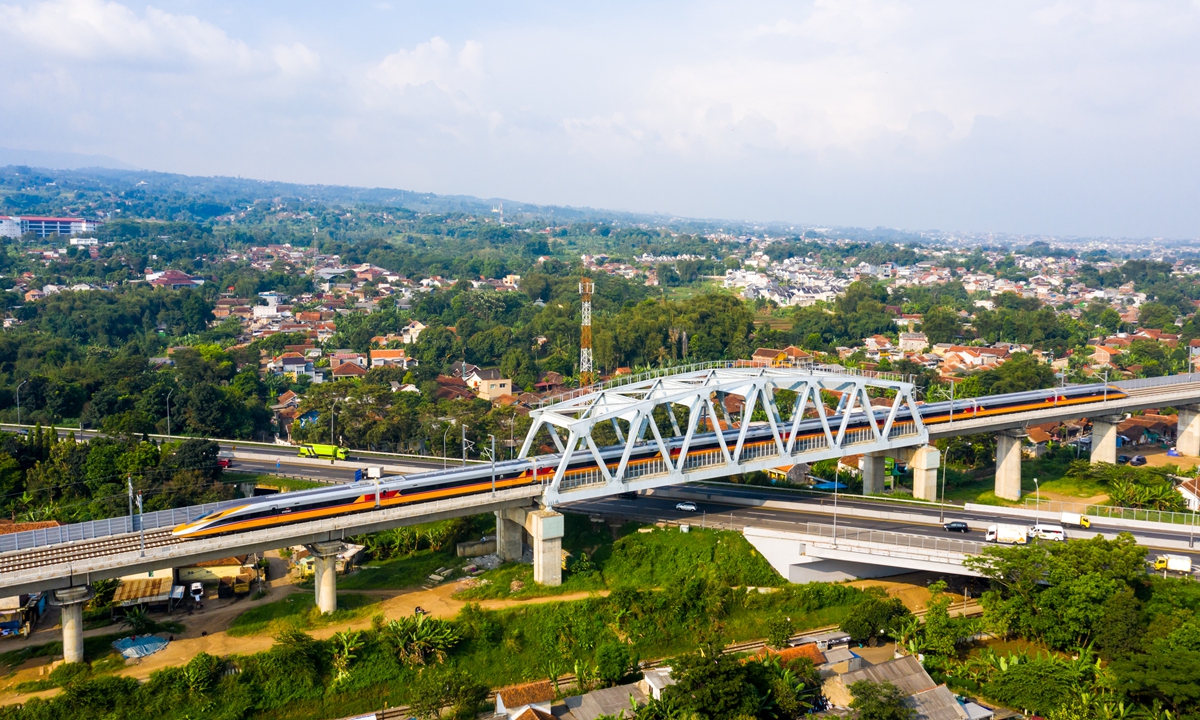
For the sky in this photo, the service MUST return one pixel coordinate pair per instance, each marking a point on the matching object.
(1067, 118)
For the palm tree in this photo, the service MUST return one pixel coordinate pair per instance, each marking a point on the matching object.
(139, 623)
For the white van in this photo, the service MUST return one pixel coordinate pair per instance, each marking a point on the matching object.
(1048, 532)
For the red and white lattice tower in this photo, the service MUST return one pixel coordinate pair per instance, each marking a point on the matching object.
(586, 371)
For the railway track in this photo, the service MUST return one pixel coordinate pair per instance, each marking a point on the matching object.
(84, 549)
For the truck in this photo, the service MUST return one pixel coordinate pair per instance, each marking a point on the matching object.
(1174, 563)
(331, 452)
(1069, 518)
(1007, 534)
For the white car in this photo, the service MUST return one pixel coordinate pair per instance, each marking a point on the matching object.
(686, 506)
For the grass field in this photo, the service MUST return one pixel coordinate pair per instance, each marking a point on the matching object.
(400, 573)
(268, 480)
(300, 612)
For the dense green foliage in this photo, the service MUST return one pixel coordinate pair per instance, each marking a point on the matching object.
(44, 477)
(1078, 596)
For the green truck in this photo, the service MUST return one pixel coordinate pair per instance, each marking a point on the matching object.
(331, 452)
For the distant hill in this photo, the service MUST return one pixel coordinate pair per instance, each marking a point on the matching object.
(59, 160)
(96, 172)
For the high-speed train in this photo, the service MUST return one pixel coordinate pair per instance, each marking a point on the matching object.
(274, 510)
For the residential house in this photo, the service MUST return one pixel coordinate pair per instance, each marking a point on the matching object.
(549, 381)
(172, 280)
(348, 370)
(460, 369)
(412, 331)
(796, 354)
(343, 357)
(768, 356)
(914, 342)
(514, 700)
(294, 365)
(1190, 490)
(452, 388)
(929, 700)
(488, 385)
(613, 702)
(392, 358)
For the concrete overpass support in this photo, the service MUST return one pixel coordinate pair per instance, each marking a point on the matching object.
(1188, 442)
(873, 473)
(1104, 437)
(510, 543)
(1008, 464)
(546, 530)
(71, 600)
(925, 462)
(325, 573)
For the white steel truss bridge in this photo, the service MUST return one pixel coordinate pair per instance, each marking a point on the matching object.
(875, 413)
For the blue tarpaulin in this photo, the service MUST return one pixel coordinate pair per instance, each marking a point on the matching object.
(140, 646)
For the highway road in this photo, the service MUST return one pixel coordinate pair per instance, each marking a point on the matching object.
(715, 513)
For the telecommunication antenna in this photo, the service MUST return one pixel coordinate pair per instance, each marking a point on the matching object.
(500, 210)
(586, 375)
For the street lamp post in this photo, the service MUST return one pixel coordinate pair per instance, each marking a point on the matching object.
(19, 401)
(1037, 489)
(836, 475)
(168, 416)
(444, 436)
(493, 437)
(942, 504)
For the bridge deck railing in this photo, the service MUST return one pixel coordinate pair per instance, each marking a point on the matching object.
(884, 537)
(1055, 508)
(104, 528)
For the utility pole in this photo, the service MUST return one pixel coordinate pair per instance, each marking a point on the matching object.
(168, 417)
(942, 504)
(444, 436)
(464, 444)
(19, 402)
(141, 525)
(836, 475)
(586, 376)
(129, 484)
(493, 437)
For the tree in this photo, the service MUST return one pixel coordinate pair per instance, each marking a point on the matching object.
(940, 631)
(439, 687)
(1156, 316)
(612, 662)
(873, 618)
(1121, 626)
(940, 325)
(712, 685)
(879, 701)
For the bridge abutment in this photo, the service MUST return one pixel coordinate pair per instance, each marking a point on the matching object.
(873, 472)
(1008, 464)
(1104, 438)
(325, 573)
(1188, 440)
(925, 462)
(71, 600)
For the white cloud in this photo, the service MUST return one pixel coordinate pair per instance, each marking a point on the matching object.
(95, 31)
(434, 63)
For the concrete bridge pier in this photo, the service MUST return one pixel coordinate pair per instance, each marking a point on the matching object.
(545, 531)
(924, 463)
(1104, 437)
(1188, 440)
(72, 600)
(325, 573)
(873, 472)
(510, 543)
(1008, 464)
